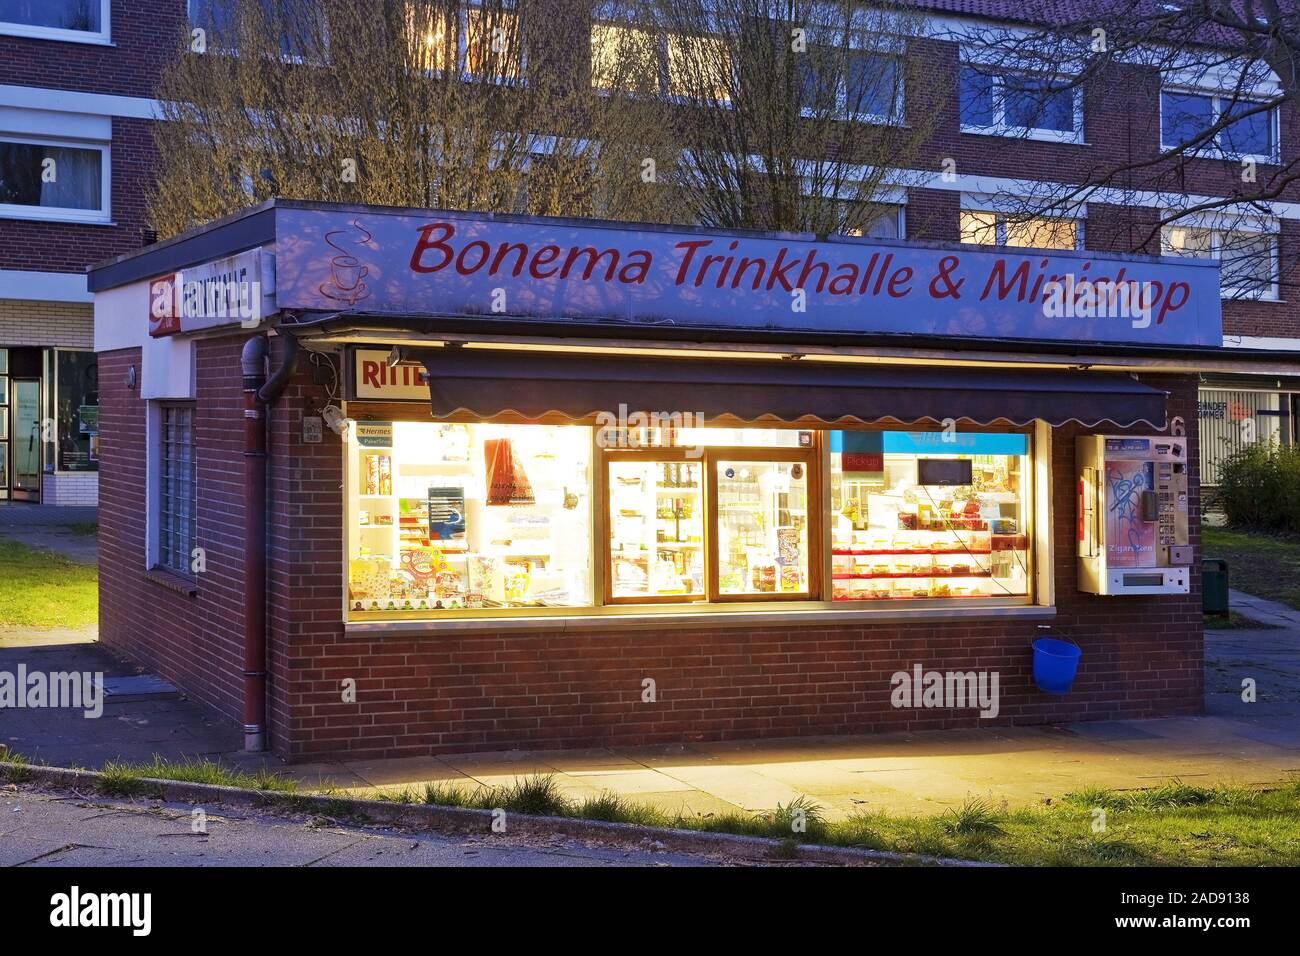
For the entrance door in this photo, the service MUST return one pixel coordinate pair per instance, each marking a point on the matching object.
(25, 439)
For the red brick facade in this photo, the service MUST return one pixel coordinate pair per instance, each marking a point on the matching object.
(445, 691)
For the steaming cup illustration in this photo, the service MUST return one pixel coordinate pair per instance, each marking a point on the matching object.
(348, 272)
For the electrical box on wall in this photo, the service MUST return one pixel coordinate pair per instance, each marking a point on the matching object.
(1133, 503)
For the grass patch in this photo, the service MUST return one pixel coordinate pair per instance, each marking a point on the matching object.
(1172, 825)
(125, 779)
(14, 767)
(1233, 621)
(85, 529)
(43, 589)
(1264, 565)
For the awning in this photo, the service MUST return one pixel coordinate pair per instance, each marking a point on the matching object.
(533, 384)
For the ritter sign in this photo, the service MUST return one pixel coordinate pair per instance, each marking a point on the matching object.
(440, 263)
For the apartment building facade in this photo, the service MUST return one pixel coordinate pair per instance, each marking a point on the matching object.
(76, 85)
(77, 79)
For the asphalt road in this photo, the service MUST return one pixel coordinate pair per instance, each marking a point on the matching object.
(40, 828)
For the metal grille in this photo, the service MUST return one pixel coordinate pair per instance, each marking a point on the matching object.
(177, 502)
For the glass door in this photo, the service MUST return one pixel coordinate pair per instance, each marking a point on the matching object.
(656, 528)
(25, 439)
(762, 546)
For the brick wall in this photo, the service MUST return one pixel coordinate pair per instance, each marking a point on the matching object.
(440, 692)
(194, 640)
(145, 34)
(65, 324)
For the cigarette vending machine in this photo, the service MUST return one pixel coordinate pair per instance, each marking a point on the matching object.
(1133, 515)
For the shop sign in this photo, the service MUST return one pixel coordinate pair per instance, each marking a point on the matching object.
(375, 380)
(374, 434)
(225, 292)
(410, 263)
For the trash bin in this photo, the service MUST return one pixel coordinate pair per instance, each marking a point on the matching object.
(1214, 586)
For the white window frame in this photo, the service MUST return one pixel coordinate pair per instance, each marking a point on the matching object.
(1216, 150)
(102, 37)
(1000, 127)
(101, 216)
(153, 482)
(1000, 226)
(842, 94)
(1217, 231)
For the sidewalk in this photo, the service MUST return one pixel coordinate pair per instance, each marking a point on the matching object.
(62, 530)
(1254, 743)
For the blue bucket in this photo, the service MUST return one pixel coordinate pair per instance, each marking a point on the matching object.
(1055, 664)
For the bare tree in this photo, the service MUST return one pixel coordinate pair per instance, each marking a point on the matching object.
(427, 103)
(786, 114)
(774, 114)
(1198, 173)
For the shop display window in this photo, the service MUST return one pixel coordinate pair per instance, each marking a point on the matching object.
(451, 517)
(472, 519)
(920, 515)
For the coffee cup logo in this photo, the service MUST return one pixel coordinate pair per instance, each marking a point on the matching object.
(347, 274)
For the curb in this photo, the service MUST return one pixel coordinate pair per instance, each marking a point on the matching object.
(465, 820)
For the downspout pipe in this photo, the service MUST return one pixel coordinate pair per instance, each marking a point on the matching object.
(258, 393)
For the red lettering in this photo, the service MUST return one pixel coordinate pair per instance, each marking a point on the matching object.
(370, 373)
(592, 258)
(425, 243)
(690, 248)
(778, 273)
(462, 267)
(1019, 279)
(545, 256)
(898, 282)
(1185, 292)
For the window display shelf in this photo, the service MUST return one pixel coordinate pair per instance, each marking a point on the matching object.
(848, 552)
(848, 576)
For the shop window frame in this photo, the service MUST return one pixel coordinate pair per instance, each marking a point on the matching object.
(601, 505)
(1039, 596)
(1030, 479)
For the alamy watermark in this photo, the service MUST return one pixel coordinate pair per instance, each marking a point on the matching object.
(1140, 302)
(24, 689)
(953, 690)
(623, 429)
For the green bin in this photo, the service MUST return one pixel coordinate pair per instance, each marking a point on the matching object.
(1214, 585)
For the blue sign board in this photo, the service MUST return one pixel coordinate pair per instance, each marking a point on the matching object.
(410, 262)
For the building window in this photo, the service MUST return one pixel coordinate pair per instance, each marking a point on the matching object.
(1011, 104)
(77, 20)
(1185, 116)
(177, 496)
(75, 402)
(1247, 260)
(928, 515)
(448, 517)
(865, 86)
(1233, 419)
(474, 40)
(876, 222)
(478, 520)
(627, 59)
(46, 180)
(1000, 229)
